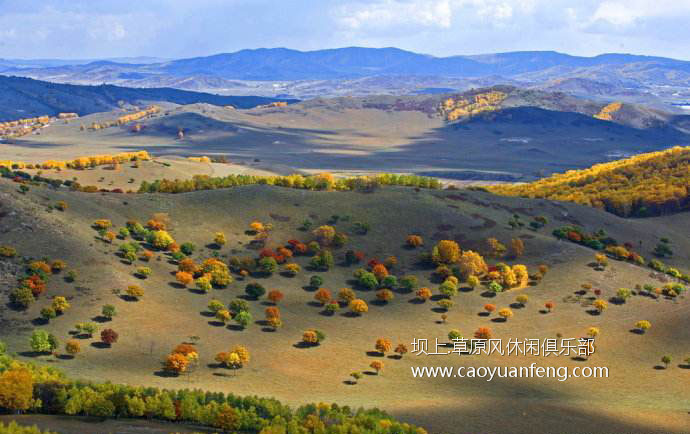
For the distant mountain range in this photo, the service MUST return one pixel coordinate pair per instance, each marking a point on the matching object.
(25, 97)
(305, 74)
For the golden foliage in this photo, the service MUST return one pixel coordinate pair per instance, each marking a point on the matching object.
(452, 109)
(647, 184)
(608, 110)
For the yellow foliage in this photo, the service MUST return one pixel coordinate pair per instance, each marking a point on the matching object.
(606, 112)
(647, 184)
(453, 109)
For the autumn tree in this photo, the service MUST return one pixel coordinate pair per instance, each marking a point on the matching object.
(489, 308)
(324, 234)
(414, 241)
(184, 278)
(600, 305)
(401, 350)
(358, 306)
(517, 247)
(346, 295)
(72, 347)
(134, 291)
(643, 325)
(16, 389)
(423, 294)
(313, 337)
(446, 252)
(472, 264)
(377, 366)
(219, 239)
(495, 248)
(383, 345)
(522, 299)
(385, 295)
(176, 363)
(483, 333)
(275, 296)
(505, 313)
(549, 305)
(108, 311)
(323, 296)
(243, 318)
(109, 336)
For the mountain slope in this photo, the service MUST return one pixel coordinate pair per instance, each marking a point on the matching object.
(648, 184)
(23, 97)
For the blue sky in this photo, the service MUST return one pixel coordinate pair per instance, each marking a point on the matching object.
(188, 28)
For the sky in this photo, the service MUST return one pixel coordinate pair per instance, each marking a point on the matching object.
(76, 29)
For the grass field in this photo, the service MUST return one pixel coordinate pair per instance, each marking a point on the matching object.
(636, 398)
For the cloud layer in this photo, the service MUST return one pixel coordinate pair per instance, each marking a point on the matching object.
(180, 28)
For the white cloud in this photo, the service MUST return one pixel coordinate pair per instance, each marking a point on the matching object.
(622, 14)
(389, 13)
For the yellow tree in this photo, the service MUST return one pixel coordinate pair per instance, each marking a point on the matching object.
(446, 252)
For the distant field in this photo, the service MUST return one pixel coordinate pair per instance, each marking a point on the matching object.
(635, 399)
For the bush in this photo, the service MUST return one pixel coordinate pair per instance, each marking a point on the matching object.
(505, 313)
(108, 311)
(423, 294)
(143, 272)
(215, 305)
(57, 266)
(323, 296)
(134, 291)
(60, 304)
(187, 248)
(48, 313)
(323, 260)
(255, 290)
(332, 307)
(291, 269)
(22, 297)
(358, 306)
(414, 241)
(448, 289)
(203, 283)
(109, 336)
(346, 295)
(368, 280)
(446, 252)
(454, 334)
(8, 252)
(160, 239)
(385, 295)
(184, 278)
(275, 296)
(219, 239)
(315, 281)
(238, 305)
(643, 325)
(87, 328)
(313, 337)
(72, 347)
(243, 318)
(268, 265)
(445, 304)
(389, 281)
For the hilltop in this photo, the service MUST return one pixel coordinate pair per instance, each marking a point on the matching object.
(647, 184)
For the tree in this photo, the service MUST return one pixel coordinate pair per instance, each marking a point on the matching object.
(324, 234)
(483, 333)
(346, 295)
(385, 295)
(176, 363)
(522, 299)
(489, 308)
(40, 341)
(313, 337)
(448, 289)
(401, 350)
(203, 283)
(272, 312)
(600, 305)
(72, 347)
(380, 271)
(268, 265)
(549, 305)
(227, 419)
(358, 306)
(505, 313)
(255, 290)
(409, 283)
(446, 252)
(623, 294)
(134, 291)
(48, 313)
(109, 336)
(184, 278)
(219, 239)
(495, 287)
(473, 281)
(383, 345)
(356, 376)
(517, 247)
(377, 366)
(454, 334)
(22, 297)
(414, 241)
(86, 328)
(368, 280)
(323, 296)
(323, 260)
(16, 389)
(495, 248)
(315, 281)
(223, 315)
(187, 248)
(643, 325)
(472, 264)
(423, 294)
(292, 269)
(243, 318)
(445, 304)
(161, 239)
(238, 305)
(593, 332)
(60, 304)
(601, 260)
(108, 311)
(275, 296)
(666, 360)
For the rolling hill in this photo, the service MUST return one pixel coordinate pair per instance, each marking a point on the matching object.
(25, 98)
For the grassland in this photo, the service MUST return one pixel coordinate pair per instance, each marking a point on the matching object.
(637, 397)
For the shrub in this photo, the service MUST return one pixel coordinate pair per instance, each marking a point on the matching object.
(385, 295)
(48, 313)
(489, 307)
(377, 366)
(243, 318)
(409, 283)
(623, 294)
(666, 360)
(324, 234)
(268, 265)
(22, 297)
(272, 312)
(255, 290)
(414, 241)
(275, 296)
(187, 248)
(203, 283)
(495, 286)
(423, 294)
(102, 224)
(60, 304)
(445, 304)
(219, 239)
(223, 315)
(448, 289)
(238, 305)
(593, 332)
(160, 239)
(332, 307)
(143, 272)
(401, 350)
(454, 334)
(389, 281)
(109, 336)
(184, 278)
(446, 252)
(522, 299)
(346, 295)
(291, 269)
(72, 347)
(313, 337)
(549, 305)
(358, 306)
(472, 264)
(188, 266)
(87, 328)
(383, 345)
(134, 291)
(315, 281)
(57, 266)
(41, 342)
(473, 281)
(483, 333)
(323, 260)
(643, 325)
(505, 313)
(176, 363)
(323, 296)
(368, 280)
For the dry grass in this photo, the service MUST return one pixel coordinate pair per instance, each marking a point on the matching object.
(636, 397)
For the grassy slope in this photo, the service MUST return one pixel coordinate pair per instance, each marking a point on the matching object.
(167, 315)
